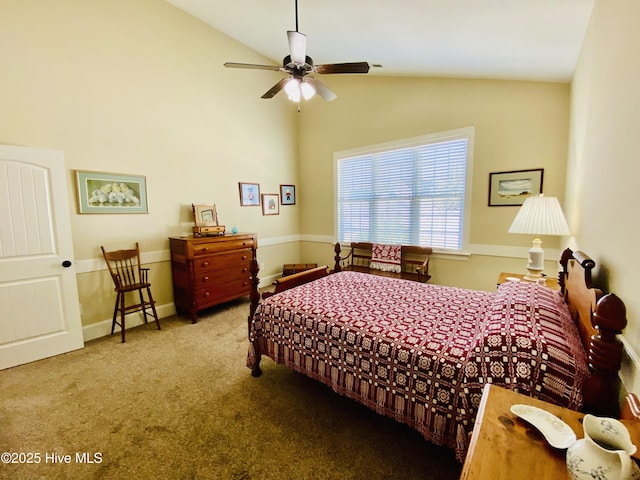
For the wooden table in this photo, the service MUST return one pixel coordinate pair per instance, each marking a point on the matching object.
(504, 447)
(549, 282)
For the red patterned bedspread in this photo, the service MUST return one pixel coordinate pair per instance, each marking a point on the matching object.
(422, 353)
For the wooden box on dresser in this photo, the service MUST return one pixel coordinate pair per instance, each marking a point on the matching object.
(208, 271)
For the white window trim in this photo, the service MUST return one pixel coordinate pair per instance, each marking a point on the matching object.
(456, 134)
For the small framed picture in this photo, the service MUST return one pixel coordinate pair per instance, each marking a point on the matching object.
(270, 204)
(512, 188)
(249, 194)
(287, 194)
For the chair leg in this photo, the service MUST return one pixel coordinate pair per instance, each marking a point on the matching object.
(120, 307)
(153, 308)
(115, 313)
(143, 304)
(122, 315)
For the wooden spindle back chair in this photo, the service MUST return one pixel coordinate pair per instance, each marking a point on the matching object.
(129, 276)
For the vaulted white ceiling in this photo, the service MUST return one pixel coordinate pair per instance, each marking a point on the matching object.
(501, 39)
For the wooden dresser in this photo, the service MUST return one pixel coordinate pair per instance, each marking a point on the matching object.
(208, 271)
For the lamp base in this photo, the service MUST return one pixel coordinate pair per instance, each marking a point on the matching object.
(535, 265)
(533, 275)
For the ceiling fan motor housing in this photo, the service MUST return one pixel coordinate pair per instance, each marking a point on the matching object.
(295, 68)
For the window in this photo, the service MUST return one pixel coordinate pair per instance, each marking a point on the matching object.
(411, 192)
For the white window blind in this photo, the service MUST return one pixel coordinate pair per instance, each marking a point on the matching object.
(413, 195)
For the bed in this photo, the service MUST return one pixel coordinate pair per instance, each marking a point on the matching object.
(422, 353)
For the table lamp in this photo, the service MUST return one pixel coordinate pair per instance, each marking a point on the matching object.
(539, 215)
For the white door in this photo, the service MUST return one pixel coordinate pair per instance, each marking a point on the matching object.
(39, 308)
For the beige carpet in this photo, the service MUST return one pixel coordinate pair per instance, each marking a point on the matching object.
(179, 403)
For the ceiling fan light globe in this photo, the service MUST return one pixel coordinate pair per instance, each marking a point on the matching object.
(307, 90)
(292, 89)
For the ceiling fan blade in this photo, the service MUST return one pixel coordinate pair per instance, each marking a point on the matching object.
(253, 66)
(276, 88)
(297, 47)
(350, 67)
(321, 89)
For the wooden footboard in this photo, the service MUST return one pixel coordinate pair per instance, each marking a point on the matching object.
(282, 284)
(300, 278)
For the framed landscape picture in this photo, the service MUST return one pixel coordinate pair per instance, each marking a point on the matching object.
(512, 188)
(101, 192)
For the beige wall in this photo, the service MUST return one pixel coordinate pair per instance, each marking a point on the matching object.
(138, 86)
(518, 125)
(604, 164)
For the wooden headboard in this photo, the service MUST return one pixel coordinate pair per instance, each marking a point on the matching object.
(600, 318)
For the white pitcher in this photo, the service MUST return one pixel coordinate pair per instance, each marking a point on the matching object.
(604, 453)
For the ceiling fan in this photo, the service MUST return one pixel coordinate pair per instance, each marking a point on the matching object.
(301, 83)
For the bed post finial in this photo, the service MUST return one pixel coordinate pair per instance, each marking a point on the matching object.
(567, 254)
(605, 357)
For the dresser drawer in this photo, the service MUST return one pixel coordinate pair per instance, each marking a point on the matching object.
(216, 294)
(206, 248)
(214, 277)
(222, 260)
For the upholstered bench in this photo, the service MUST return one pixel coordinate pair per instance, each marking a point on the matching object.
(414, 261)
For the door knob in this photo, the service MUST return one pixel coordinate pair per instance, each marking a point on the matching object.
(66, 263)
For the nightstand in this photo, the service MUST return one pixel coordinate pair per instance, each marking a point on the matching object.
(549, 282)
(504, 447)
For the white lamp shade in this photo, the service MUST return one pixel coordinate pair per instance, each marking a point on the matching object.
(540, 215)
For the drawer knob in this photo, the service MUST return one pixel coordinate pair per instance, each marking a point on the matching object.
(206, 294)
(205, 279)
(244, 257)
(205, 264)
(204, 249)
(244, 269)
